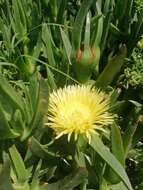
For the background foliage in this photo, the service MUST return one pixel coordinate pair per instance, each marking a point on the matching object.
(47, 44)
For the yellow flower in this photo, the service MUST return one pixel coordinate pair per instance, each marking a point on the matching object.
(78, 110)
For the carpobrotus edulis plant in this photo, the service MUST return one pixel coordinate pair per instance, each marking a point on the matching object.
(79, 110)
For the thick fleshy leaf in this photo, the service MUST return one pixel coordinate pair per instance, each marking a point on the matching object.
(46, 37)
(118, 152)
(42, 151)
(69, 182)
(79, 21)
(67, 44)
(10, 94)
(5, 129)
(117, 144)
(112, 68)
(5, 182)
(110, 159)
(40, 109)
(18, 165)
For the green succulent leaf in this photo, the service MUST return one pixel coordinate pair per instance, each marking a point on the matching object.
(77, 28)
(5, 129)
(5, 182)
(110, 159)
(112, 68)
(11, 95)
(69, 182)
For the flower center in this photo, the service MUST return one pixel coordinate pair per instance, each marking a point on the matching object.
(76, 117)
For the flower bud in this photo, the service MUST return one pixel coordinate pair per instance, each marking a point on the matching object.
(86, 57)
(86, 62)
(140, 44)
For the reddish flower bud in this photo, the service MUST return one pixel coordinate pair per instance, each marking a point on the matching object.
(86, 61)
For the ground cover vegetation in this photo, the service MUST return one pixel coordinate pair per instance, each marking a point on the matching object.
(71, 94)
